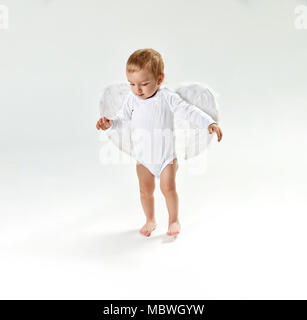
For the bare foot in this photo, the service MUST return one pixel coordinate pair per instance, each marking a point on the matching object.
(148, 228)
(173, 229)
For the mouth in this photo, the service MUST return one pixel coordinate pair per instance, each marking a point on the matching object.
(140, 95)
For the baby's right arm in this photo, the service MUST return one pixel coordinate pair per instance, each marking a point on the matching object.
(124, 114)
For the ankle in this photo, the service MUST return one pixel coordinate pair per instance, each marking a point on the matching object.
(173, 220)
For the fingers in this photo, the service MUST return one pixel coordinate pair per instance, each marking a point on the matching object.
(99, 124)
(218, 131)
(103, 123)
(219, 134)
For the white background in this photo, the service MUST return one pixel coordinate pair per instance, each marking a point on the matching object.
(69, 225)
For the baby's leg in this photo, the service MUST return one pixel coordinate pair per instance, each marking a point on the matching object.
(168, 188)
(147, 187)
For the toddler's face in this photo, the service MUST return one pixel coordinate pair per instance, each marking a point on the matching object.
(143, 84)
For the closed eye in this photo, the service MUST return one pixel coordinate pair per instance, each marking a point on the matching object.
(145, 84)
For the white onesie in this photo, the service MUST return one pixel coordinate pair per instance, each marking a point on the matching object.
(152, 126)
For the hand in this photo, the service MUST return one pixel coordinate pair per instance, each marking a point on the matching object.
(214, 127)
(104, 123)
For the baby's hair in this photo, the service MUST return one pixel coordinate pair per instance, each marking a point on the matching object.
(146, 58)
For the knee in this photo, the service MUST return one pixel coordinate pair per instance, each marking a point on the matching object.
(147, 191)
(168, 189)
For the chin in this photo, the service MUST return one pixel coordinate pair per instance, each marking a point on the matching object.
(143, 96)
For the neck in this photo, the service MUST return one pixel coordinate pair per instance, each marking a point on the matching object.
(153, 94)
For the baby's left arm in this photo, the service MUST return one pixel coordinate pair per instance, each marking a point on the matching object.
(191, 113)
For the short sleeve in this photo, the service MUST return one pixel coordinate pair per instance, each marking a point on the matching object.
(187, 111)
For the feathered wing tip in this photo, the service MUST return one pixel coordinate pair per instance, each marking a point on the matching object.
(193, 139)
(110, 103)
(112, 98)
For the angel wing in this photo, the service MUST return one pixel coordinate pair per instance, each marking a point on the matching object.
(111, 101)
(190, 141)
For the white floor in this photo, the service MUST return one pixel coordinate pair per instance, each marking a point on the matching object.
(69, 225)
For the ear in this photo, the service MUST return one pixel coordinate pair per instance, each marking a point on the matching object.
(160, 78)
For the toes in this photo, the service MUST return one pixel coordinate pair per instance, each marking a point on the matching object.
(147, 230)
(173, 231)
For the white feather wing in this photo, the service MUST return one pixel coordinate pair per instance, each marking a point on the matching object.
(191, 141)
(111, 101)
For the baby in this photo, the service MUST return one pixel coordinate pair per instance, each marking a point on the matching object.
(151, 107)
